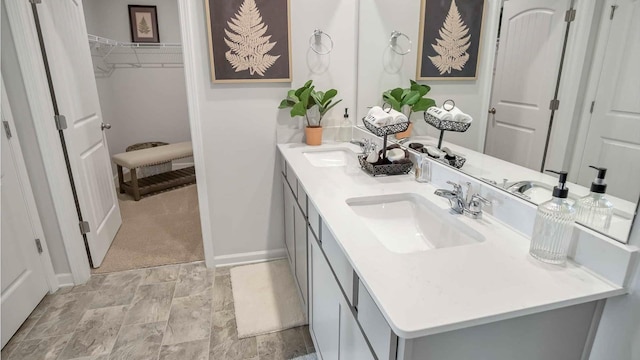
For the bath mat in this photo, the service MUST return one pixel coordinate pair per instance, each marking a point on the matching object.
(266, 298)
(311, 356)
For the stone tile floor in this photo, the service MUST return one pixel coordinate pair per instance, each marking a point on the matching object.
(181, 312)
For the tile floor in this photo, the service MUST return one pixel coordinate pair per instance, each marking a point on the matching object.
(181, 312)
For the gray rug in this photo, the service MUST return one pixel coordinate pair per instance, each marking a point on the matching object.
(307, 357)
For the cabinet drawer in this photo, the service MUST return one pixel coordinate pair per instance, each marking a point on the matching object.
(338, 262)
(314, 218)
(292, 180)
(375, 327)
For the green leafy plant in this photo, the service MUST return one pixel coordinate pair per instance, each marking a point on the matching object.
(303, 99)
(413, 97)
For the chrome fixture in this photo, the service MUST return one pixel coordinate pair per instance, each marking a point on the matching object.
(366, 145)
(459, 204)
(519, 188)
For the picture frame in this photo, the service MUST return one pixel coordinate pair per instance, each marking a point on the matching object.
(231, 60)
(461, 21)
(143, 21)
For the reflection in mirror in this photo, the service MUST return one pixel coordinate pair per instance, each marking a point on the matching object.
(555, 89)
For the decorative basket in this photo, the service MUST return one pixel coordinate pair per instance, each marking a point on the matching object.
(146, 171)
(388, 169)
(446, 125)
(386, 130)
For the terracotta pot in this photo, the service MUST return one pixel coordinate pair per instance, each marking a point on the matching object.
(406, 133)
(313, 135)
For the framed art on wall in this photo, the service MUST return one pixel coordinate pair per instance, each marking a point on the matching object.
(249, 40)
(143, 20)
(450, 38)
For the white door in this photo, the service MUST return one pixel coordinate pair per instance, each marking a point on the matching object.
(24, 281)
(613, 140)
(527, 65)
(65, 37)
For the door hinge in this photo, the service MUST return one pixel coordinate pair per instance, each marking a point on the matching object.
(61, 122)
(613, 11)
(554, 104)
(84, 227)
(593, 103)
(7, 129)
(570, 15)
(39, 246)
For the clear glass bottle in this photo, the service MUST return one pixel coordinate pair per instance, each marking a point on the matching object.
(345, 129)
(423, 169)
(553, 228)
(595, 209)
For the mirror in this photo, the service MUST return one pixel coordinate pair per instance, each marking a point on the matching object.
(529, 60)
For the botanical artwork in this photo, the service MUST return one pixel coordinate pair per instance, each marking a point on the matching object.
(449, 39)
(249, 40)
(144, 24)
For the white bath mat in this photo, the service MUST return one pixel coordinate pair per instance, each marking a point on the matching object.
(265, 298)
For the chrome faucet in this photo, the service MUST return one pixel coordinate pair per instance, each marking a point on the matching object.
(470, 206)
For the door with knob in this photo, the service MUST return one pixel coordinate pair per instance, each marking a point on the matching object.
(525, 79)
(105, 126)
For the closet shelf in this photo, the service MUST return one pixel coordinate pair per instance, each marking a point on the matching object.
(109, 54)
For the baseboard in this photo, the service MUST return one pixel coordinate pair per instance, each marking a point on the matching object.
(65, 279)
(250, 257)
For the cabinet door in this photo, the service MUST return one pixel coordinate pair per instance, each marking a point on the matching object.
(325, 309)
(301, 251)
(353, 346)
(289, 216)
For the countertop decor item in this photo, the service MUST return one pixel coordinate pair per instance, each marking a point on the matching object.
(385, 166)
(446, 125)
(308, 102)
(408, 100)
(249, 41)
(449, 39)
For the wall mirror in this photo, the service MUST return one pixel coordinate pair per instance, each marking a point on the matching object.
(556, 88)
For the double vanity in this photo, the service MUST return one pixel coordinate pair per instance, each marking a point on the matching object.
(386, 270)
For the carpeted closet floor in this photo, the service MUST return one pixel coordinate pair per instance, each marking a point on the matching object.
(159, 229)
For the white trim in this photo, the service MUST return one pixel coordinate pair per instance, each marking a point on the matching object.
(32, 68)
(65, 279)
(250, 257)
(187, 11)
(27, 189)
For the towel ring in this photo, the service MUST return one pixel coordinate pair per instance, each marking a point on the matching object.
(316, 38)
(393, 42)
(453, 104)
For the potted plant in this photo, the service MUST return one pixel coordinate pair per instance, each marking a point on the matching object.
(411, 99)
(304, 102)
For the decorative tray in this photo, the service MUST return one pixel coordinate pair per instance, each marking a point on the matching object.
(447, 125)
(387, 169)
(386, 130)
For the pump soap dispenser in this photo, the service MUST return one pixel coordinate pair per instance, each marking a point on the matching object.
(553, 227)
(595, 209)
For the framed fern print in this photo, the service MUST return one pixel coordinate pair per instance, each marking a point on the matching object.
(450, 36)
(143, 20)
(249, 40)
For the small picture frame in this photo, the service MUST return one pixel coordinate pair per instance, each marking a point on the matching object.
(143, 20)
(450, 39)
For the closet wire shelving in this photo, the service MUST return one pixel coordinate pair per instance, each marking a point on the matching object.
(109, 55)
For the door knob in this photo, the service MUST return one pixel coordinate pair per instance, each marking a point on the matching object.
(492, 111)
(105, 126)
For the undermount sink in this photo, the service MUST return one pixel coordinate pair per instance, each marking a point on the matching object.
(409, 223)
(329, 158)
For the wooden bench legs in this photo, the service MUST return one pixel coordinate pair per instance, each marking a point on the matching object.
(134, 184)
(120, 179)
(151, 184)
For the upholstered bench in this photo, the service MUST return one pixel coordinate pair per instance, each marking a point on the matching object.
(151, 156)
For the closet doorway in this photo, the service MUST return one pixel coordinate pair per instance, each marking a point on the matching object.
(137, 61)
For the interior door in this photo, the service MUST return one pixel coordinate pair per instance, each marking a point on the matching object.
(613, 139)
(65, 38)
(527, 65)
(24, 281)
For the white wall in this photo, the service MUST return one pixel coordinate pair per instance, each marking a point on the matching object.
(26, 132)
(240, 121)
(380, 69)
(141, 104)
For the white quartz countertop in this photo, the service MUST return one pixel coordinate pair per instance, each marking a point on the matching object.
(444, 289)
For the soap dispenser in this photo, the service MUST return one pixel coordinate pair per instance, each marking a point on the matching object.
(595, 209)
(345, 127)
(553, 226)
